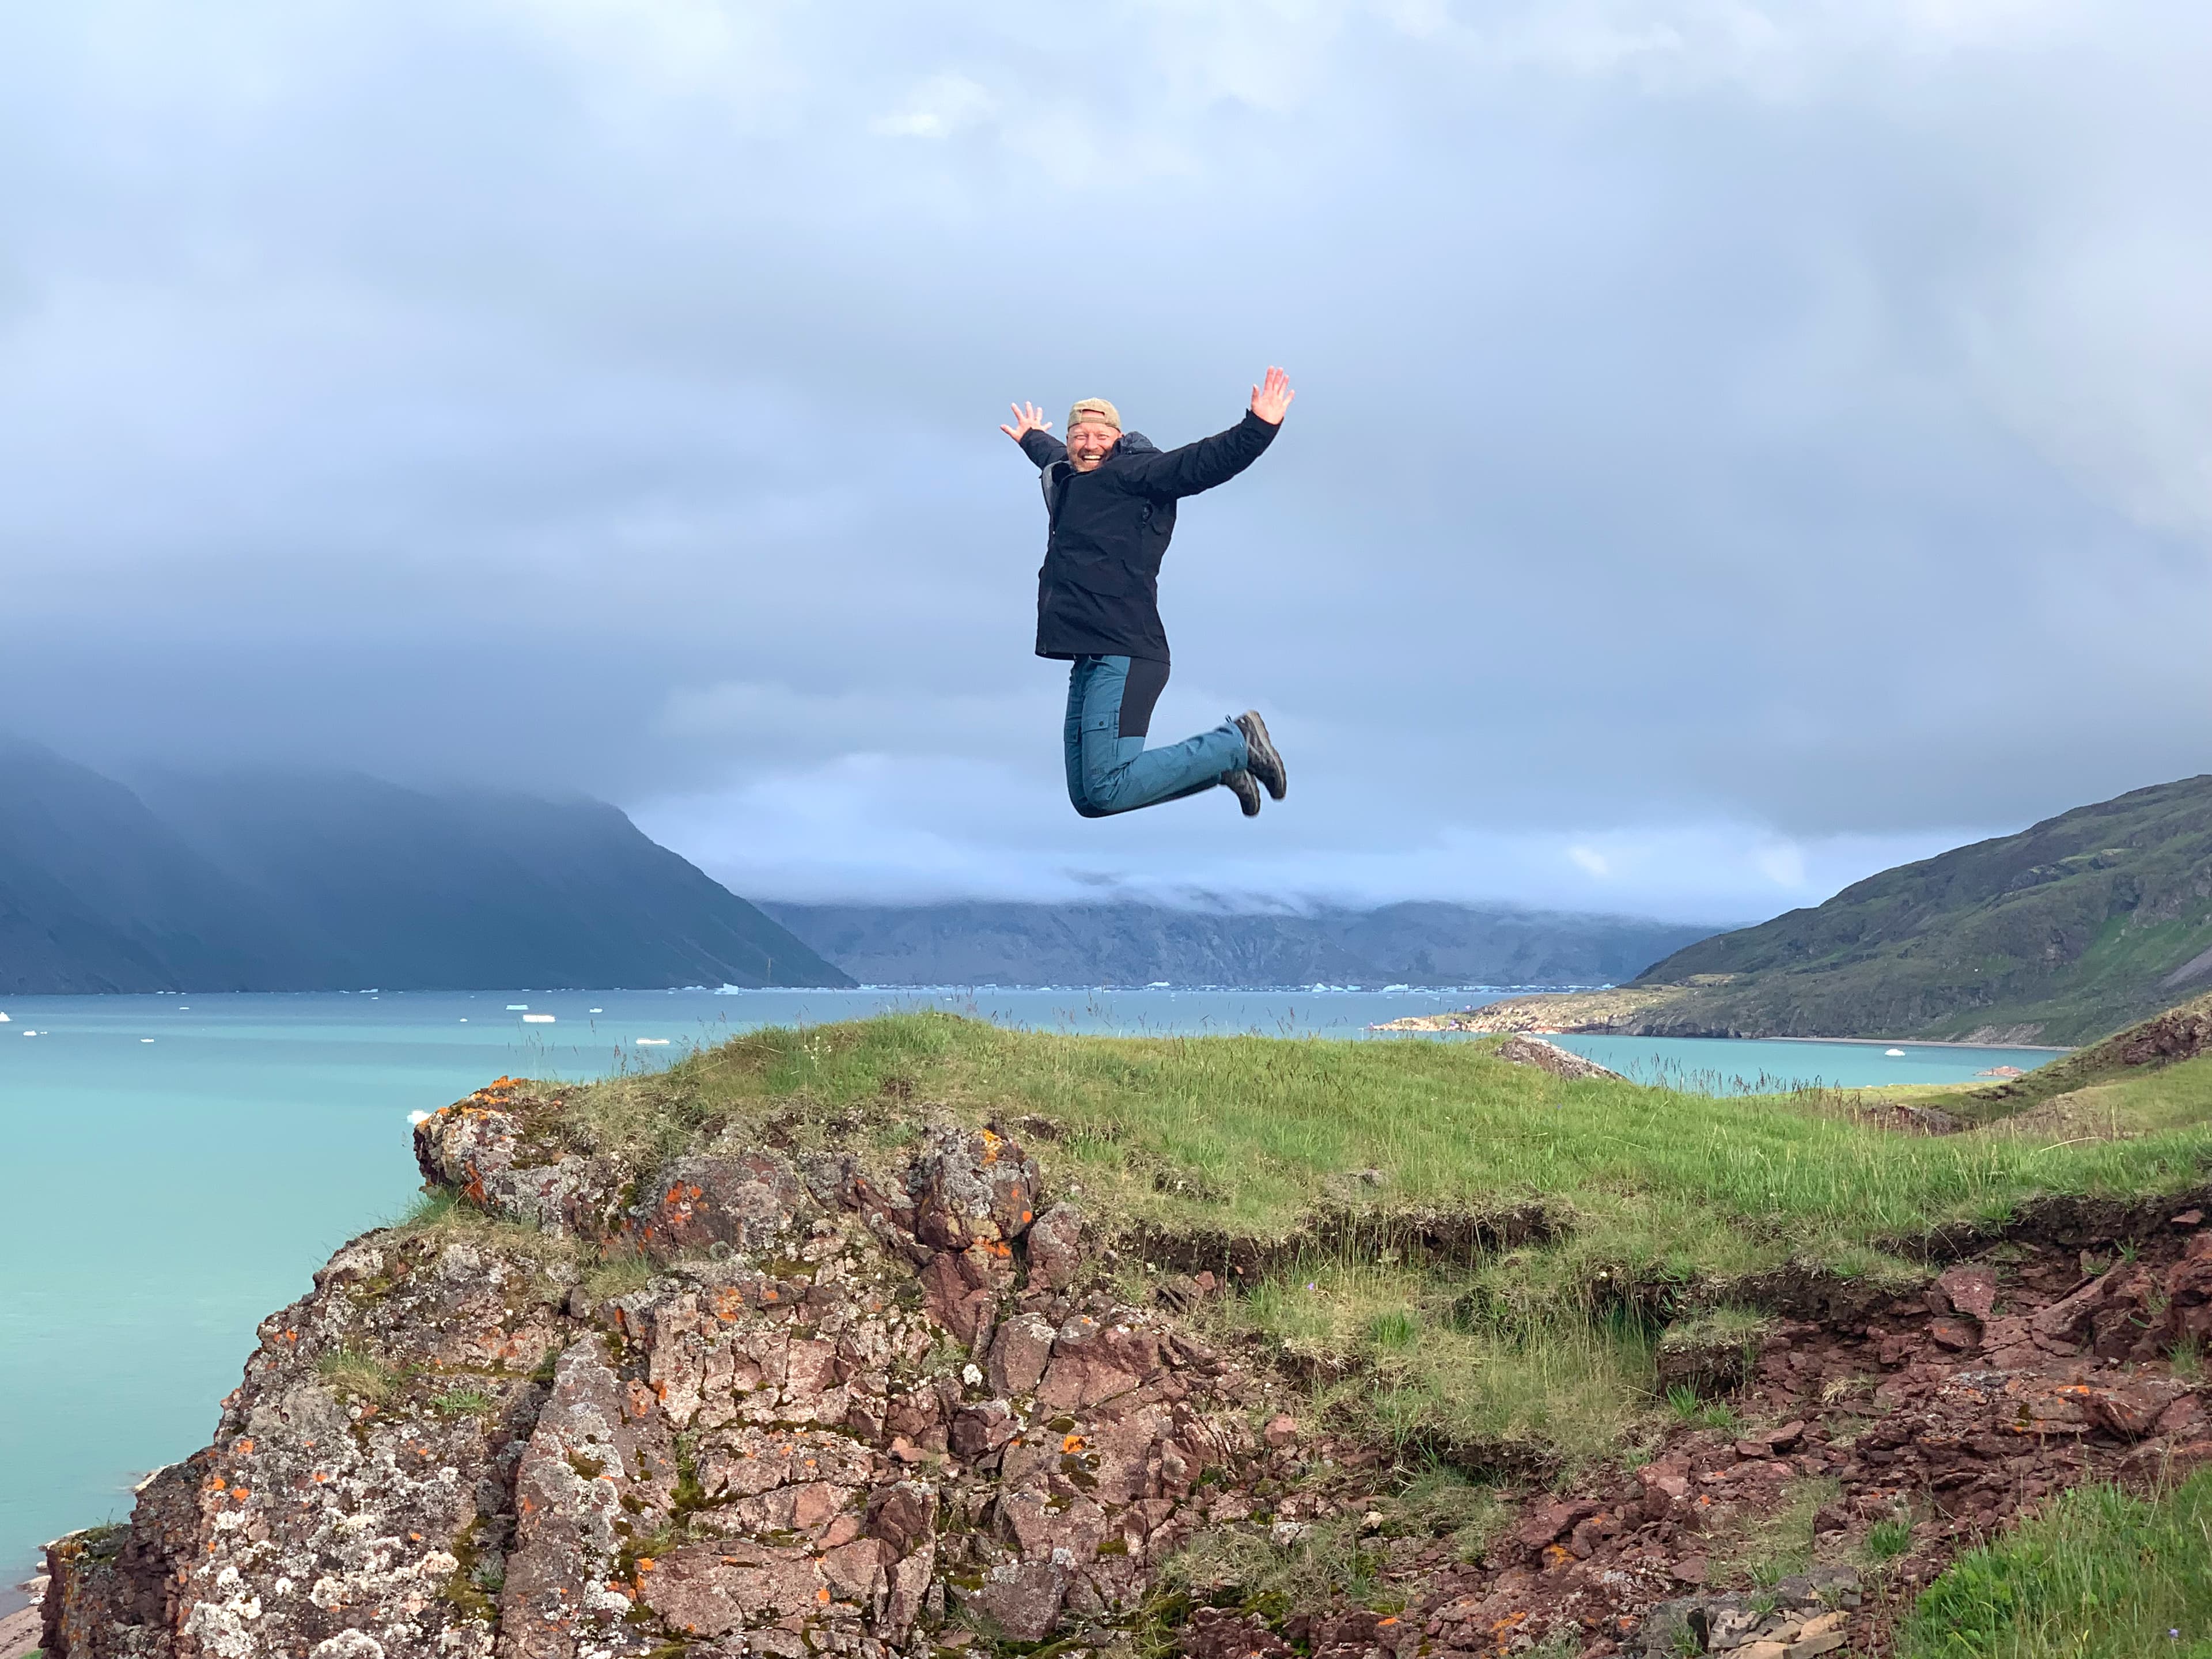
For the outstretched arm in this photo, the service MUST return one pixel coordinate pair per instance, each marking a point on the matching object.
(1032, 432)
(1216, 460)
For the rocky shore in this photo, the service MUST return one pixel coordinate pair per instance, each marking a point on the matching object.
(22, 1631)
(1621, 1011)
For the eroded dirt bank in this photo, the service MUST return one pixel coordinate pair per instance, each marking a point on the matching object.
(902, 1401)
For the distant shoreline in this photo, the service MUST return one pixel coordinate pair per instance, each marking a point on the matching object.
(1870, 1042)
(1892, 1043)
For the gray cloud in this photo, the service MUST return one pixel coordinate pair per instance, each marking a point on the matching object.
(1739, 444)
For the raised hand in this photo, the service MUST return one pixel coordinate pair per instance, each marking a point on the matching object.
(1271, 401)
(1029, 418)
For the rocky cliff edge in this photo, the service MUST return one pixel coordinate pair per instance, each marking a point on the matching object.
(843, 1397)
(757, 1398)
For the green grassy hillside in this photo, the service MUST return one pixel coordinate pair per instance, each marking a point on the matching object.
(2059, 934)
(1551, 1208)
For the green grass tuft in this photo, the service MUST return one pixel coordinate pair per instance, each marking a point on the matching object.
(2098, 1574)
(465, 1402)
(1690, 1407)
(1395, 1330)
(2187, 1360)
(1439, 1501)
(359, 1375)
(618, 1272)
(1887, 1540)
(1328, 1561)
(1561, 1385)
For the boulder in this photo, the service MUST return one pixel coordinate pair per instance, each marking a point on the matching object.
(971, 1186)
(745, 1201)
(1055, 1246)
(2188, 1290)
(1020, 1600)
(1966, 1289)
(2119, 1314)
(1019, 1353)
(483, 1148)
(1549, 1520)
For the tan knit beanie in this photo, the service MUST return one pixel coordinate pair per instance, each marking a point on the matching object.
(1094, 408)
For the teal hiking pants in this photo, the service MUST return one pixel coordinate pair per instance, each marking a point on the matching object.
(1110, 770)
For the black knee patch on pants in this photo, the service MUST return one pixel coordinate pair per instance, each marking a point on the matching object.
(1146, 680)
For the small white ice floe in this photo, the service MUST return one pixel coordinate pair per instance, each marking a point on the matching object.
(516, 1007)
(1892, 1053)
(3, 1019)
(537, 1019)
(418, 1117)
(596, 1011)
(653, 1042)
(145, 1039)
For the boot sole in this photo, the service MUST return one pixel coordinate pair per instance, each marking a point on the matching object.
(1266, 760)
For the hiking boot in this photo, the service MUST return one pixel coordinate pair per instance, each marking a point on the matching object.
(1240, 784)
(1261, 757)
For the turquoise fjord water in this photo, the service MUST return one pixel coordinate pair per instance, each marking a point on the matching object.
(1729, 1065)
(182, 1165)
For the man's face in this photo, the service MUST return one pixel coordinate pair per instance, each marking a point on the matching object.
(1089, 442)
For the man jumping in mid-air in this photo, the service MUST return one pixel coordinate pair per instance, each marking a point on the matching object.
(1109, 501)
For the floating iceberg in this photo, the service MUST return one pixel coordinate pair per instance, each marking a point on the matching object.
(653, 1042)
(537, 1019)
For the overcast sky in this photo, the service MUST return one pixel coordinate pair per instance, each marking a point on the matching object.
(1738, 446)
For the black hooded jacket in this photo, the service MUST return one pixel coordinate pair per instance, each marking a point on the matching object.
(1098, 593)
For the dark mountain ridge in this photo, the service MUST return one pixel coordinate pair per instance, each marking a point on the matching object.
(980, 942)
(294, 882)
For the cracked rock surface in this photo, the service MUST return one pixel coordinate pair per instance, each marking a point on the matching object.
(845, 1407)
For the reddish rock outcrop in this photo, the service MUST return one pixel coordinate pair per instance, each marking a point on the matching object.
(760, 1400)
(842, 1410)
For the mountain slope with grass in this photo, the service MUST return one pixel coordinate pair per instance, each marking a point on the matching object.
(919, 1335)
(2056, 935)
